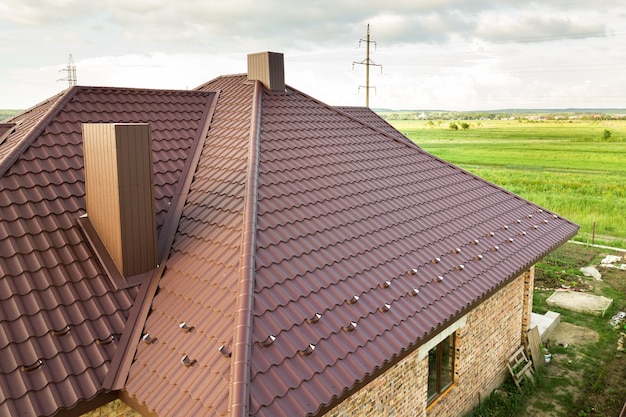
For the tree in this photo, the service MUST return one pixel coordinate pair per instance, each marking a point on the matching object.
(465, 126)
(606, 135)
(454, 126)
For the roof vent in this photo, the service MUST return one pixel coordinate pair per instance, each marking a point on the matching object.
(119, 193)
(269, 68)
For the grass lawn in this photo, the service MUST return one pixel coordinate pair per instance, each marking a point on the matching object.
(568, 167)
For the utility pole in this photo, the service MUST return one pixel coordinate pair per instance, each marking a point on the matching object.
(368, 63)
(71, 73)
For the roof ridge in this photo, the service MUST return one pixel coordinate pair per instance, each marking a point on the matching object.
(239, 400)
(62, 99)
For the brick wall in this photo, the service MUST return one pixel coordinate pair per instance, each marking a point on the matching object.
(492, 332)
(116, 408)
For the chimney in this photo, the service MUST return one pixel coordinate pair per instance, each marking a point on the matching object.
(269, 68)
(119, 193)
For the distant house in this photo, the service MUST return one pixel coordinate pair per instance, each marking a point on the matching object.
(247, 250)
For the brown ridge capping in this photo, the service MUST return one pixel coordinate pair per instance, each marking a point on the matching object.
(127, 346)
(240, 366)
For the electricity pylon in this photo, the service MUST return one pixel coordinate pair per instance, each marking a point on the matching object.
(368, 63)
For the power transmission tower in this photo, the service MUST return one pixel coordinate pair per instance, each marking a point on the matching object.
(368, 63)
(71, 73)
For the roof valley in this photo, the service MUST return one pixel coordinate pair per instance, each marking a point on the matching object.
(122, 360)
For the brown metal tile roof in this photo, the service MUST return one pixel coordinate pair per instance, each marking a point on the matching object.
(292, 276)
(344, 211)
(60, 318)
(200, 285)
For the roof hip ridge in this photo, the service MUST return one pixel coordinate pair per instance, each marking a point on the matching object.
(239, 401)
(7, 162)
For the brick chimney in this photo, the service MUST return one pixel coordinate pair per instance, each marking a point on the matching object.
(269, 68)
(119, 193)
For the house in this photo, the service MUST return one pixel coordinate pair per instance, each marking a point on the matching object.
(244, 249)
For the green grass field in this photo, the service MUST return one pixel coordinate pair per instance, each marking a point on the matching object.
(569, 167)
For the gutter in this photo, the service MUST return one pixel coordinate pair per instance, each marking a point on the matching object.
(239, 402)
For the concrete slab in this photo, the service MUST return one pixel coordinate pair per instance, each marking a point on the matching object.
(580, 302)
(546, 323)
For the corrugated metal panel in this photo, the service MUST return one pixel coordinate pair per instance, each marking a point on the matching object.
(269, 68)
(119, 193)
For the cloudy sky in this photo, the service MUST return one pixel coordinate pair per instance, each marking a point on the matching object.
(435, 54)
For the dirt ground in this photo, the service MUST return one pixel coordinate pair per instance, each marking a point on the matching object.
(569, 345)
(562, 372)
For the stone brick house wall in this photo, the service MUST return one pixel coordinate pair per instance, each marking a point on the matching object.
(484, 340)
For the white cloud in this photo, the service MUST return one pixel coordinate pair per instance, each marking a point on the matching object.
(435, 53)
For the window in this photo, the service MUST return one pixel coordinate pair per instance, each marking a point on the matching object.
(440, 368)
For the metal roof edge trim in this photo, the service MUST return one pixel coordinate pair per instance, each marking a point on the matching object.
(115, 277)
(239, 400)
(123, 357)
(36, 130)
(82, 407)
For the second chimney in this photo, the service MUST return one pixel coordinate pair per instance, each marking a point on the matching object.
(269, 68)
(119, 193)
